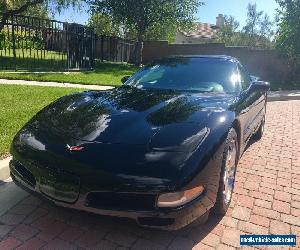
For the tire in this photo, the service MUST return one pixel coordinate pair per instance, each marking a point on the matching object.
(227, 177)
(260, 132)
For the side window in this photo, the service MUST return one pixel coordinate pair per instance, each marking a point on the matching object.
(245, 77)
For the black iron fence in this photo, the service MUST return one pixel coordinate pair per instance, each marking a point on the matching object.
(42, 44)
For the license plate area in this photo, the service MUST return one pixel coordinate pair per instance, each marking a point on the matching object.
(60, 186)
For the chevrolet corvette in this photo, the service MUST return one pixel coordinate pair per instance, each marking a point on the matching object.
(161, 149)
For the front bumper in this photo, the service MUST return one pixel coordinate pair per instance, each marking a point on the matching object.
(147, 216)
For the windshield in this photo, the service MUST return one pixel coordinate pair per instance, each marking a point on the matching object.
(188, 74)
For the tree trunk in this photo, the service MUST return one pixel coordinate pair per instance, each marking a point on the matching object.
(139, 50)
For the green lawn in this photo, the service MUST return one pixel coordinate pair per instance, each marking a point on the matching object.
(18, 104)
(104, 74)
(33, 59)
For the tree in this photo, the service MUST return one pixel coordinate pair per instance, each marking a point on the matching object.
(166, 31)
(266, 26)
(32, 7)
(105, 25)
(160, 31)
(288, 35)
(257, 32)
(228, 33)
(258, 28)
(142, 15)
(252, 23)
(265, 31)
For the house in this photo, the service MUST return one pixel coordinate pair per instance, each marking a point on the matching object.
(203, 32)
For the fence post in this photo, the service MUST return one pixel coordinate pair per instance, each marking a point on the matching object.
(102, 48)
(94, 40)
(67, 44)
(14, 41)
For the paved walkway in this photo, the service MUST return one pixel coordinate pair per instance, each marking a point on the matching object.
(4, 173)
(54, 84)
(266, 200)
(284, 95)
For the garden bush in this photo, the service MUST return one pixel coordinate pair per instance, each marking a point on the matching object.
(22, 39)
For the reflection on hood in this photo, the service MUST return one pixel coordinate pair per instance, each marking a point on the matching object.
(99, 127)
(124, 115)
(174, 112)
(30, 140)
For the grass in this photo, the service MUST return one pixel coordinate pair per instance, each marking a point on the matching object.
(32, 58)
(18, 104)
(104, 74)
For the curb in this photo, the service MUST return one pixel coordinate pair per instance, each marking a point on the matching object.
(282, 98)
(4, 169)
(54, 84)
(10, 194)
(286, 95)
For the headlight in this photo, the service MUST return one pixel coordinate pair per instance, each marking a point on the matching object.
(188, 137)
(179, 198)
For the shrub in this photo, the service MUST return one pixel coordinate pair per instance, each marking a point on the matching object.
(22, 39)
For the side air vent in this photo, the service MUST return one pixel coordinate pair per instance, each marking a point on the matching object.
(25, 174)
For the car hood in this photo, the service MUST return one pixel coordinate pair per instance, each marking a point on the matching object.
(128, 115)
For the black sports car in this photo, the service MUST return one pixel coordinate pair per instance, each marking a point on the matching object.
(162, 149)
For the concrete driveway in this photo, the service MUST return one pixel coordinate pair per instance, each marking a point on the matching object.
(266, 201)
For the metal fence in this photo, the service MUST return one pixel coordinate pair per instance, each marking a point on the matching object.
(42, 44)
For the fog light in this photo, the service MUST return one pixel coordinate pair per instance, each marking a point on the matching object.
(179, 198)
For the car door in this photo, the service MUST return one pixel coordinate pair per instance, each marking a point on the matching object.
(252, 104)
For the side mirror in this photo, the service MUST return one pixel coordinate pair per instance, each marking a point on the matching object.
(254, 78)
(260, 86)
(124, 79)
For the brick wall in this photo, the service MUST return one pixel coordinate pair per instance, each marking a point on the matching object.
(267, 64)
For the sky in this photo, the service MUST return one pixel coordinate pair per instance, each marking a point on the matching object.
(236, 8)
(206, 13)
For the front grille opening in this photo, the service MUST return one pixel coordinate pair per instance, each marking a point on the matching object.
(25, 173)
(121, 201)
(155, 222)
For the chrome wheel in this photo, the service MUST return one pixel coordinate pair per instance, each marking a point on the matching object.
(227, 176)
(229, 173)
(262, 127)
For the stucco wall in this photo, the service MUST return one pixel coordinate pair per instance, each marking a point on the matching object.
(267, 64)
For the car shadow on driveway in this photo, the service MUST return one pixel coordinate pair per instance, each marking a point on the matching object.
(122, 232)
(2, 183)
(252, 141)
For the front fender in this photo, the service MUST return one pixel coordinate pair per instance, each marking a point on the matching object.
(203, 166)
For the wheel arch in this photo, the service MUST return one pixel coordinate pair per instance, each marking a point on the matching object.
(237, 126)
